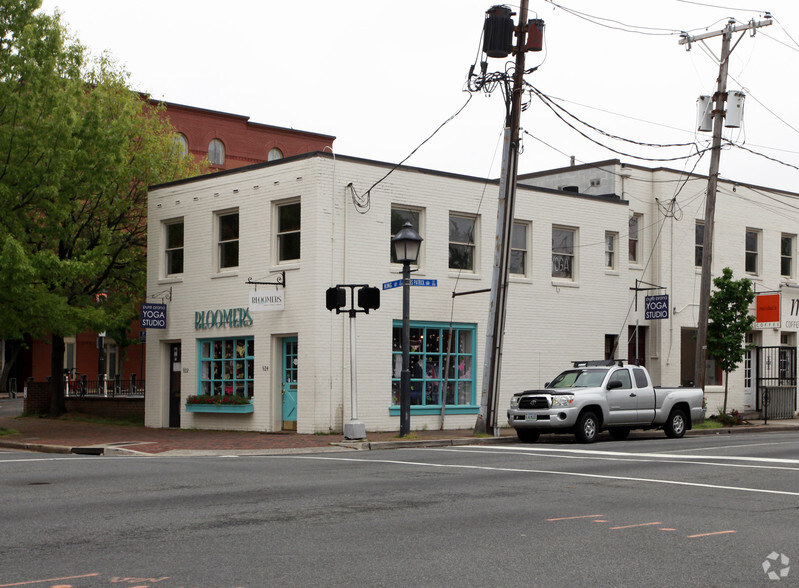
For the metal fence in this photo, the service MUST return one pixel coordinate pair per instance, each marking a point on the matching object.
(776, 374)
(103, 388)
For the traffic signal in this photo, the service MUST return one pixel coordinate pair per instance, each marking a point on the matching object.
(335, 298)
(369, 298)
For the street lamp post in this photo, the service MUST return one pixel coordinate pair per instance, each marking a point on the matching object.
(406, 245)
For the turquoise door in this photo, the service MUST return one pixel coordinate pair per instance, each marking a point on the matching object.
(289, 389)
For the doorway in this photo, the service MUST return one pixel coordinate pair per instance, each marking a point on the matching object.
(174, 384)
(289, 383)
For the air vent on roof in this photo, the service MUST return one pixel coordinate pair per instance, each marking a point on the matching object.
(570, 188)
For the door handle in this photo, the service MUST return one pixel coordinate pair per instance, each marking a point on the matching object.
(633, 394)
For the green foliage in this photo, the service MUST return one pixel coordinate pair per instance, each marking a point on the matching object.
(729, 319)
(78, 150)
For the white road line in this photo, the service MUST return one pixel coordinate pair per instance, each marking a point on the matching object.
(678, 459)
(534, 471)
(666, 456)
(732, 446)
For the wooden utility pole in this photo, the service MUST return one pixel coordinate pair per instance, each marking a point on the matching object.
(712, 181)
(487, 417)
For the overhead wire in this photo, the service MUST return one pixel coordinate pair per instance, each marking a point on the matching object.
(363, 202)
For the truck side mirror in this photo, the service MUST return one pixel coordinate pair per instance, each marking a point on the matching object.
(613, 384)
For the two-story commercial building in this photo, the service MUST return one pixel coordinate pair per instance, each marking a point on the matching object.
(242, 259)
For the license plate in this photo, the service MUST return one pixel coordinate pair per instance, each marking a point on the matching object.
(530, 417)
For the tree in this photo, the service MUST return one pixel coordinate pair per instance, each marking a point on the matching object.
(78, 150)
(729, 320)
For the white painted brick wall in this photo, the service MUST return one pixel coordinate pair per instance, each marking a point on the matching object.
(548, 324)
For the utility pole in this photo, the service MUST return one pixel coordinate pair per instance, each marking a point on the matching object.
(487, 417)
(712, 181)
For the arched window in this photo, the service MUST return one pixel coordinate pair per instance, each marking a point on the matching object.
(274, 154)
(182, 144)
(216, 152)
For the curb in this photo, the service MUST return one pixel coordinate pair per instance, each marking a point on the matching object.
(366, 445)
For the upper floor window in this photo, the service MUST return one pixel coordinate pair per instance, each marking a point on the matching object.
(174, 247)
(399, 216)
(699, 243)
(216, 152)
(519, 243)
(634, 237)
(182, 144)
(288, 232)
(563, 252)
(461, 241)
(228, 242)
(787, 247)
(610, 250)
(274, 154)
(752, 251)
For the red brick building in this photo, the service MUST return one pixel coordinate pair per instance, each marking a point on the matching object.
(228, 141)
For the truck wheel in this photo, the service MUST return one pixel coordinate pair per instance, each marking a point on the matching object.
(675, 426)
(587, 427)
(527, 435)
(620, 434)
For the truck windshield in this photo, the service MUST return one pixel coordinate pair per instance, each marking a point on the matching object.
(579, 379)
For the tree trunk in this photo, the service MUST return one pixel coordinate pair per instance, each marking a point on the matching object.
(726, 384)
(58, 405)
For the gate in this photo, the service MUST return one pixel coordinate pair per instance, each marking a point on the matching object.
(776, 382)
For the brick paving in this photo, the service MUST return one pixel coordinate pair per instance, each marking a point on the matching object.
(67, 434)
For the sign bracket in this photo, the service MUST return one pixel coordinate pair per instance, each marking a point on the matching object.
(638, 289)
(279, 281)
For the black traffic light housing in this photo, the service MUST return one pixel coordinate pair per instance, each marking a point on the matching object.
(369, 298)
(335, 298)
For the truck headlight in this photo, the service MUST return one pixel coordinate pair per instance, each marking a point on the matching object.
(514, 402)
(562, 400)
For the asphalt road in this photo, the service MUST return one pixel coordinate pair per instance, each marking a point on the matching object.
(700, 511)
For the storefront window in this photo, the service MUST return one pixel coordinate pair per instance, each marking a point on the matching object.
(430, 354)
(226, 366)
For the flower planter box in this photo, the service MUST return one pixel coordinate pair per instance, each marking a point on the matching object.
(219, 408)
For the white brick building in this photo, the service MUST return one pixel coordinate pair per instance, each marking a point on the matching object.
(312, 219)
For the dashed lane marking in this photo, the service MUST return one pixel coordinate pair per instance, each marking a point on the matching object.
(633, 526)
(709, 534)
(577, 517)
(32, 582)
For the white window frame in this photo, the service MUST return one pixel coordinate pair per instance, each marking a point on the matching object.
(168, 251)
(223, 243)
(637, 238)
(274, 154)
(473, 245)
(280, 234)
(419, 229)
(789, 256)
(523, 250)
(612, 252)
(752, 254)
(699, 248)
(572, 256)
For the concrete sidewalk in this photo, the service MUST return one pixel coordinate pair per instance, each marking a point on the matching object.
(65, 436)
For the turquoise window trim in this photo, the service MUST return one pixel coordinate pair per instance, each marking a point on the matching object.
(240, 368)
(431, 358)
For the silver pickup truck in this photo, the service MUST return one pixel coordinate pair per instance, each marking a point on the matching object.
(599, 395)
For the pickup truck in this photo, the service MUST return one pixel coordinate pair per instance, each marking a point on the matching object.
(604, 395)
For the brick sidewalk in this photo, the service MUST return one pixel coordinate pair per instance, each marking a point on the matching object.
(68, 434)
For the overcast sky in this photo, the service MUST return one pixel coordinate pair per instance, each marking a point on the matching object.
(382, 76)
